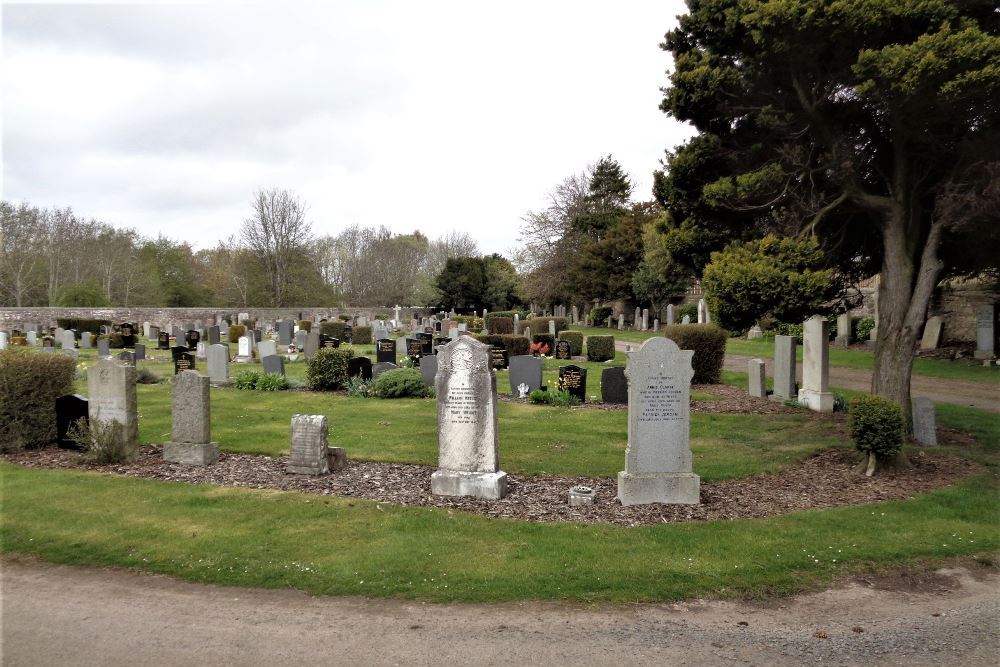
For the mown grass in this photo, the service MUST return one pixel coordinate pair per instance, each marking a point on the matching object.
(341, 546)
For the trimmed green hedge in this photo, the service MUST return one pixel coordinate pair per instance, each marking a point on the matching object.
(82, 324)
(333, 328)
(401, 383)
(361, 335)
(328, 368)
(575, 339)
(600, 348)
(515, 345)
(541, 324)
(709, 344)
(30, 383)
(500, 325)
(876, 426)
(599, 315)
(305, 325)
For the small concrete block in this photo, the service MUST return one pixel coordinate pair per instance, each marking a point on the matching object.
(191, 454)
(671, 488)
(581, 495)
(337, 457)
(486, 485)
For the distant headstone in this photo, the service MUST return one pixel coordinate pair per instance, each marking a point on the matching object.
(86, 340)
(702, 312)
(636, 319)
(525, 369)
(308, 454)
(573, 379)
(757, 378)
(645, 319)
(815, 391)
(427, 341)
(658, 456)
(621, 321)
(360, 367)
(218, 363)
(69, 409)
(3, 340)
(273, 364)
(784, 368)
(127, 356)
(385, 350)
(267, 348)
(127, 330)
(145, 330)
(184, 360)
(214, 335)
(468, 460)
(329, 341)
(755, 332)
(499, 357)
(68, 341)
(191, 441)
(686, 319)
(382, 367)
(986, 336)
(576, 315)
(111, 397)
(614, 385)
(33, 340)
(163, 341)
(302, 338)
(285, 332)
(154, 333)
(563, 350)
(414, 350)
(103, 347)
(311, 344)
(924, 421)
(244, 349)
(656, 324)
(428, 369)
(199, 350)
(843, 338)
(670, 314)
(191, 338)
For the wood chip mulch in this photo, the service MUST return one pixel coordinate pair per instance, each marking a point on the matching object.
(826, 479)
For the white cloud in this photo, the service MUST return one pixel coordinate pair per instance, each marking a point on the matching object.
(430, 116)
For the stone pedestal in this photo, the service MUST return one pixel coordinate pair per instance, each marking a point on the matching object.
(818, 401)
(672, 488)
(815, 392)
(191, 454)
(487, 485)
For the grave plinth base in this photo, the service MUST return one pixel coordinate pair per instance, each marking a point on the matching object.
(817, 401)
(191, 454)
(243, 360)
(487, 485)
(982, 354)
(669, 488)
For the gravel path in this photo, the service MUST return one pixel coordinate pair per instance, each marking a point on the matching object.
(60, 615)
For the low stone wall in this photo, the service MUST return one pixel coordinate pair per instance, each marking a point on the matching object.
(11, 318)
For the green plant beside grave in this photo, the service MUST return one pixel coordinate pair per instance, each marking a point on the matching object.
(575, 340)
(401, 383)
(305, 325)
(863, 328)
(255, 380)
(328, 367)
(876, 426)
(709, 344)
(146, 376)
(361, 335)
(236, 331)
(599, 314)
(358, 387)
(103, 441)
(30, 383)
(557, 397)
(335, 329)
(600, 348)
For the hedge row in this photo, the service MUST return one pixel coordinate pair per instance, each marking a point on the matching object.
(541, 324)
(600, 348)
(81, 324)
(515, 345)
(500, 325)
(709, 344)
(361, 335)
(30, 383)
(575, 340)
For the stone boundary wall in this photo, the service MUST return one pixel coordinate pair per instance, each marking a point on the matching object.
(18, 317)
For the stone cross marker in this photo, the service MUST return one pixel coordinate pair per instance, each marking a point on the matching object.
(815, 392)
(111, 395)
(468, 460)
(924, 422)
(658, 456)
(784, 367)
(191, 443)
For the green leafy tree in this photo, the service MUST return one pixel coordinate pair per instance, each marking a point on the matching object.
(609, 192)
(502, 284)
(462, 283)
(859, 123)
(604, 266)
(87, 295)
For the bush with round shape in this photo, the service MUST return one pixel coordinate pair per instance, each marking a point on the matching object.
(541, 324)
(30, 383)
(863, 328)
(600, 348)
(599, 314)
(305, 325)
(401, 383)
(709, 344)
(515, 345)
(575, 340)
(328, 368)
(876, 426)
(331, 328)
(236, 331)
(361, 335)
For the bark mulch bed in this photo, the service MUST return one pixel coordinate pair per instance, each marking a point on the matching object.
(825, 479)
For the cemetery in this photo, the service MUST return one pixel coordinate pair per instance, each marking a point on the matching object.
(652, 435)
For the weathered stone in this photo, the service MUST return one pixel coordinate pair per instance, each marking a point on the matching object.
(755, 332)
(924, 421)
(670, 314)
(843, 338)
(784, 368)
(468, 460)
(686, 319)
(267, 348)
(702, 312)
(192, 423)
(986, 331)
(111, 395)
(658, 456)
(815, 392)
(581, 495)
(103, 348)
(932, 334)
(308, 454)
(429, 369)
(218, 363)
(311, 344)
(274, 364)
(758, 378)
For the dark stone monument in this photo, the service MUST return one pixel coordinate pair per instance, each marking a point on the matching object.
(329, 341)
(183, 360)
(525, 370)
(69, 409)
(191, 338)
(385, 350)
(258, 335)
(213, 335)
(128, 333)
(563, 350)
(414, 350)
(140, 352)
(441, 340)
(48, 341)
(274, 364)
(574, 380)
(360, 367)
(163, 341)
(285, 332)
(498, 357)
(429, 369)
(382, 367)
(614, 385)
(427, 341)
(437, 326)
(348, 333)
(127, 357)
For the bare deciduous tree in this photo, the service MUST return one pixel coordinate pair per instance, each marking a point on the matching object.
(277, 231)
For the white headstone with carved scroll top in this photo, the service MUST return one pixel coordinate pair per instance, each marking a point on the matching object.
(658, 456)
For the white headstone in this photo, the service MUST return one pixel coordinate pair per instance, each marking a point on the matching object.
(68, 339)
(670, 314)
(3, 340)
(244, 349)
(33, 339)
(702, 312)
(686, 319)
(645, 319)
(658, 457)
(932, 334)
(552, 328)
(267, 348)
(985, 331)
(755, 332)
(815, 391)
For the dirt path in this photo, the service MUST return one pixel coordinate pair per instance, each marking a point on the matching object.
(60, 615)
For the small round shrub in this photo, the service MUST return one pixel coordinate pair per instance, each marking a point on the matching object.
(541, 324)
(246, 379)
(328, 368)
(876, 426)
(709, 344)
(600, 348)
(788, 329)
(863, 328)
(236, 332)
(305, 325)
(362, 336)
(515, 345)
(575, 340)
(401, 383)
(539, 396)
(599, 314)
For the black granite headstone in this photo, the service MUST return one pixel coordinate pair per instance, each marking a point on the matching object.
(163, 341)
(192, 337)
(427, 342)
(563, 350)
(329, 341)
(127, 330)
(69, 409)
(360, 367)
(498, 357)
(140, 351)
(183, 360)
(385, 350)
(574, 380)
(614, 385)
(415, 349)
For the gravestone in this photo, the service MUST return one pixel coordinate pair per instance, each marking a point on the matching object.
(360, 367)
(658, 456)
(414, 350)
(382, 367)
(103, 347)
(815, 392)
(468, 460)
(755, 332)
(986, 337)
(199, 350)
(191, 441)
(656, 324)
(191, 338)
(636, 319)
(498, 357)
(348, 336)
(3, 340)
(843, 338)
(33, 340)
(111, 397)
(274, 364)
(576, 315)
(702, 312)
(563, 350)
(302, 339)
(128, 334)
(670, 314)
(285, 332)
(218, 363)
(86, 340)
(784, 368)
(267, 348)
(614, 385)
(428, 369)
(932, 334)
(385, 350)
(525, 369)
(145, 330)
(621, 322)
(329, 341)
(686, 319)
(154, 333)
(440, 341)
(309, 453)
(69, 409)
(184, 360)
(127, 356)
(214, 335)
(311, 346)
(573, 379)
(924, 422)
(380, 333)
(427, 342)
(244, 350)
(139, 352)
(163, 341)
(68, 341)
(645, 319)
(552, 328)
(757, 378)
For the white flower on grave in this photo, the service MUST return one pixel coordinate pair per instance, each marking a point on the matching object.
(522, 390)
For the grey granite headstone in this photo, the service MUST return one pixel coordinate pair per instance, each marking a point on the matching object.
(382, 367)
(757, 378)
(815, 391)
(658, 456)
(267, 348)
(285, 332)
(614, 385)
(308, 454)
(103, 348)
(924, 421)
(218, 363)
(68, 340)
(86, 340)
(274, 364)
(784, 368)
(191, 441)
(755, 332)
(985, 331)
(428, 369)
(670, 314)
(213, 335)
(468, 460)
(843, 338)
(932, 334)
(525, 369)
(139, 352)
(311, 345)
(112, 397)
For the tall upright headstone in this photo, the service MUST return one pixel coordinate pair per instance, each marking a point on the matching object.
(924, 422)
(576, 315)
(267, 348)
(111, 397)
(932, 333)
(637, 318)
(621, 321)
(670, 314)
(3, 340)
(68, 341)
(986, 335)
(658, 456)
(702, 312)
(191, 441)
(815, 391)
(757, 378)
(784, 368)
(468, 459)
(843, 338)
(218, 363)
(645, 319)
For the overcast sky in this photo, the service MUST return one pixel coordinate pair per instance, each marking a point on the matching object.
(435, 116)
